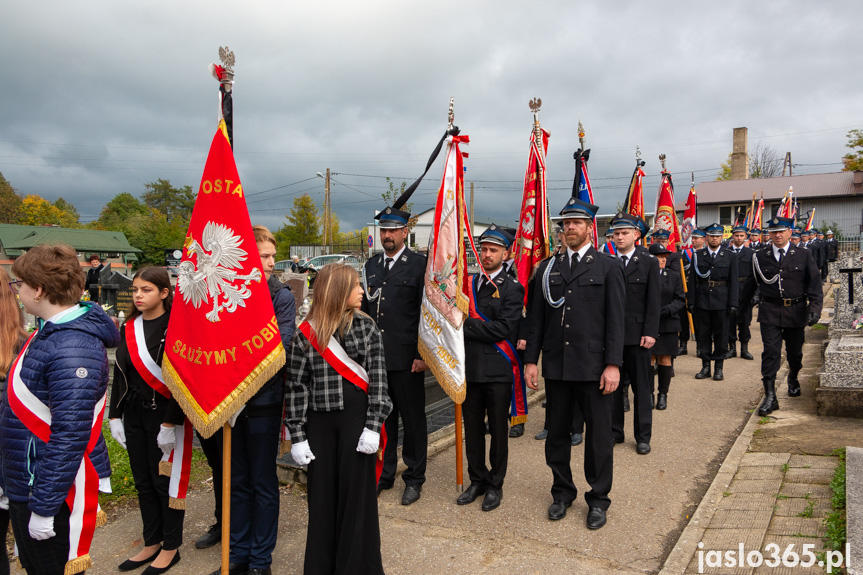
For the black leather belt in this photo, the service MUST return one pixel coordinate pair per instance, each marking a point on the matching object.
(716, 283)
(787, 301)
(742, 280)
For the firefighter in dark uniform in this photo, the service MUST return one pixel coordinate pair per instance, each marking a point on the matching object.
(697, 242)
(754, 238)
(714, 296)
(577, 320)
(832, 252)
(789, 285)
(641, 328)
(739, 326)
(394, 283)
(498, 300)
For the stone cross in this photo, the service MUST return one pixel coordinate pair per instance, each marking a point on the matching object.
(850, 272)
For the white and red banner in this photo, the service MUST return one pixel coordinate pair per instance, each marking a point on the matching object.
(83, 498)
(223, 339)
(531, 238)
(689, 218)
(756, 220)
(445, 298)
(666, 217)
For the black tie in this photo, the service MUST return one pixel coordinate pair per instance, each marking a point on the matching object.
(388, 264)
(573, 261)
(624, 259)
(781, 255)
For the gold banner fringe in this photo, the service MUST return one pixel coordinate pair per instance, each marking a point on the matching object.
(175, 503)
(78, 564)
(268, 368)
(165, 468)
(445, 380)
(101, 518)
(518, 419)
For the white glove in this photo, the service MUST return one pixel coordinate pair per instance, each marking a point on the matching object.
(232, 421)
(4, 501)
(369, 441)
(118, 432)
(41, 528)
(105, 485)
(302, 453)
(166, 439)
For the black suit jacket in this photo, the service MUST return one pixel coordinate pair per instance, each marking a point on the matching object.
(397, 310)
(744, 264)
(585, 333)
(641, 275)
(722, 268)
(482, 361)
(799, 277)
(672, 300)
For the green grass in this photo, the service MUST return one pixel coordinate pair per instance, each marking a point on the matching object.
(765, 419)
(784, 467)
(810, 506)
(819, 326)
(834, 522)
(782, 496)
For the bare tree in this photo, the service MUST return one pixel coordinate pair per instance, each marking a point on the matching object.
(764, 162)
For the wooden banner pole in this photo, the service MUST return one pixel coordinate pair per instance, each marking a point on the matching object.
(458, 450)
(226, 498)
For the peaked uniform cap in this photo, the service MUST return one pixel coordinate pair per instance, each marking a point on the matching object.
(779, 224)
(393, 218)
(714, 229)
(497, 235)
(576, 208)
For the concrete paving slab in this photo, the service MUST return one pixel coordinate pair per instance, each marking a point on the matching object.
(734, 518)
(854, 505)
(772, 472)
(748, 501)
(755, 485)
(819, 475)
(732, 538)
(695, 567)
(813, 461)
(769, 459)
(803, 526)
(795, 506)
(801, 489)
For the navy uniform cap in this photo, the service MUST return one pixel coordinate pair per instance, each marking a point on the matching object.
(576, 208)
(754, 232)
(661, 234)
(623, 221)
(497, 235)
(741, 228)
(714, 229)
(658, 249)
(795, 234)
(778, 224)
(393, 218)
(698, 233)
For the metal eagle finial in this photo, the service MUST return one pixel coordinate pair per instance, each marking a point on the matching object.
(451, 114)
(662, 161)
(535, 105)
(226, 56)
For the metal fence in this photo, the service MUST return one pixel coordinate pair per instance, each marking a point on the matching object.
(359, 249)
(850, 243)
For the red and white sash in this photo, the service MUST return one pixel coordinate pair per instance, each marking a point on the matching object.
(178, 464)
(83, 498)
(338, 358)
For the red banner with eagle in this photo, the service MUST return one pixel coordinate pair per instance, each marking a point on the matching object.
(666, 217)
(531, 237)
(223, 340)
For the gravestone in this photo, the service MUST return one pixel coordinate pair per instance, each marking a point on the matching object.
(840, 392)
(116, 292)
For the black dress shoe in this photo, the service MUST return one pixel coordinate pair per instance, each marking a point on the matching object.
(129, 565)
(158, 570)
(642, 449)
(411, 494)
(258, 571)
(541, 435)
(682, 349)
(382, 486)
(233, 569)
(576, 439)
(470, 494)
(492, 499)
(516, 430)
(661, 401)
(210, 538)
(744, 351)
(557, 510)
(619, 440)
(595, 518)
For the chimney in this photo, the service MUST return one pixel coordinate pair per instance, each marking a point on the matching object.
(740, 155)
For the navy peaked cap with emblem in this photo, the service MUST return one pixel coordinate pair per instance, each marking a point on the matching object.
(576, 208)
(497, 235)
(658, 250)
(661, 234)
(754, 232)
(624, 221)
(740, 228)
(392, 218)
(714, 229)
(795, 234)
(698, 233)
(778, 224)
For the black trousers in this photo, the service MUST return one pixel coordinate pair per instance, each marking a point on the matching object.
(636, 365)
(771, 357)
(46, 557)
(407, 390)
(577, 420)
(492, 399)
(254, 489)
(161, 523)
(561, 396)
(739, 329)
(711, 332)
(684, 325)
(343, 534)
(212, 448)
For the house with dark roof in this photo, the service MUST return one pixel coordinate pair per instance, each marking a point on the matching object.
(112, 247)
(836, 197)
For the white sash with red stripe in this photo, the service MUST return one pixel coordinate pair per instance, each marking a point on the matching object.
(178, 464)
(83, 498)
(338, 358)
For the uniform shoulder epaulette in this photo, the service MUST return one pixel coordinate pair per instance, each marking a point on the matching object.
(609, 256)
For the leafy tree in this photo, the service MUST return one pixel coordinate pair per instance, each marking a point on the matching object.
(303, 225)
(70, 213)
(10, 203)
(764, 162)
(854, 161)
(355, 238)
(393, 193)
(174, 203)
(119, 212)
(152, 233)
(37, 211)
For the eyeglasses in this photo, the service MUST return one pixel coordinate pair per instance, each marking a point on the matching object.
(14, 286)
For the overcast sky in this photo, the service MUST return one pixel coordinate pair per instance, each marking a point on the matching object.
(102, 97)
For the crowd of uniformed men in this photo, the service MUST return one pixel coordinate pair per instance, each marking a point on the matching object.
(602, 321)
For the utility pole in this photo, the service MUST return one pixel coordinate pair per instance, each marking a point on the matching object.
(328, 223)
(787, 164)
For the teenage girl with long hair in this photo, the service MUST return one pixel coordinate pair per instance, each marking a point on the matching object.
(336, 404)
(148, 413)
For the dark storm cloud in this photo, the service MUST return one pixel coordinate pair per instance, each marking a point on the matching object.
(101, 100)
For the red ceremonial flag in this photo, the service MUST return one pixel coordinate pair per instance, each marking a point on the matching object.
(666, 218)
(223, 340)
(690, 216)
(531, 237)
(634, 204)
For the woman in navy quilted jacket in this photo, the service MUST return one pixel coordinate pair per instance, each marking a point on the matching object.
(52, 453)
